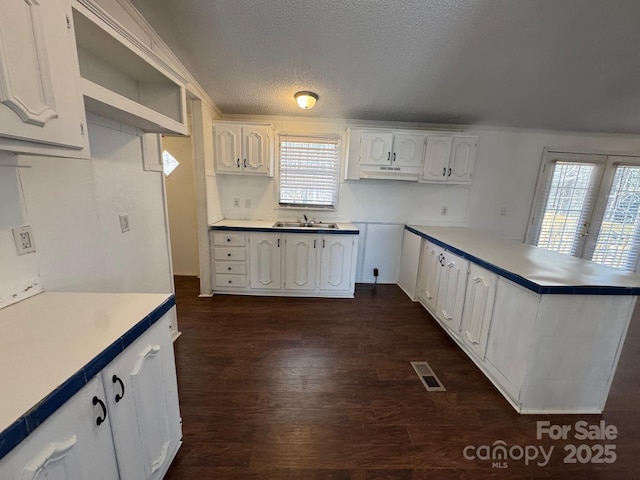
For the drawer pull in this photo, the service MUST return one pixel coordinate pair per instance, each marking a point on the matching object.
(228, 239)
(228, 254)
(100, 420)
(119, 396)
(229, 268)
(230, 281)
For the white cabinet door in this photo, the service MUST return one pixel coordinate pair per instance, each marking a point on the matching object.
(142, 398)
(264, 261)
(430, 270)
(39, 98)
(463, 156)
(408, 150)
(436, 160)
(478, 308)
(451, 290)
(228, 140)
(335, 262)
(375, 148)
(256, 149)
(69, 445)
(301, 256)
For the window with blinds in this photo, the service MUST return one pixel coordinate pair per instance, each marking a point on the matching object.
(309, 171)
(588, 206)
(618, 240)
(563, 215)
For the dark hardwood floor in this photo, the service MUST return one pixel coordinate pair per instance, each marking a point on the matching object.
(318, 389)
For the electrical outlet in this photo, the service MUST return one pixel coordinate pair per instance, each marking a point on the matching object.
(23, 238)
(124, 223)
(247, 203)
(236, 203)
(503, 211)
(443, 211)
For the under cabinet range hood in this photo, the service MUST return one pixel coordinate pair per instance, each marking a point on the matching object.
(390, 172)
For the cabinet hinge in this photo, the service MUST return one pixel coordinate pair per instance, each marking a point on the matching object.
(68, 22)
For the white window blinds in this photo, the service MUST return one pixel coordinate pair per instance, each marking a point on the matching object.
(619, 236)
(309, 171)
(560, 216)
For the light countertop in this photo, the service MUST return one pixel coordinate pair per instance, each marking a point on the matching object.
(49, 338)
(533, 267)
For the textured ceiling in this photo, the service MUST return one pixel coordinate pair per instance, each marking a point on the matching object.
(553, 64)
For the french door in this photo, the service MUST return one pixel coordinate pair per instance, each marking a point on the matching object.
(589, 206)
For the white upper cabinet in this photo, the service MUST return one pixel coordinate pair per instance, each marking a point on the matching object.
(123, 79)
(243, 148)
(393, 149)
(449, 159)
(375, 148)
(39, 99)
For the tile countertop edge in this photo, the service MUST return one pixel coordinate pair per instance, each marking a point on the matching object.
(15, 433)
(267, 227)
(528, 284)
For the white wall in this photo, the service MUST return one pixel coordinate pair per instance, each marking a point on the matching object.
(181, 204)
(16, 271)
(505, 176)
(74, 207)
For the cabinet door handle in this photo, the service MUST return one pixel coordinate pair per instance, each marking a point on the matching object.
(101, 419)
(444, 171)
(388, 156)
(238, 163)
(394, 156)
(314, 243)
(278, 243)
(119, 396)
(449, 172)
(245, 163)
(323, 243)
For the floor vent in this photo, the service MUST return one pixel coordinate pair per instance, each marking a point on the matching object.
(429, 379)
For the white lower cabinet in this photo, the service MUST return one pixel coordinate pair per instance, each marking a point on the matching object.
(301, 258)
(264, 261)
(123, 424)
(142, 399)
(295, 264)
(69, 445)
(442, 284)
(478, 308)
(336, 262)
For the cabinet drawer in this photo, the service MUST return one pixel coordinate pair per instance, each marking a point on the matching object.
(237, 268)
(231, 281)
(231, 239)
(230, 253)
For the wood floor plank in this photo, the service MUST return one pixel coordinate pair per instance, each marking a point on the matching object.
(323, 389)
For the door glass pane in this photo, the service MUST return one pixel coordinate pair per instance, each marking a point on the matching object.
(568, 204)
(617, 244)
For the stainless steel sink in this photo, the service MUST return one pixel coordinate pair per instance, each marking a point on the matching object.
(319, 226)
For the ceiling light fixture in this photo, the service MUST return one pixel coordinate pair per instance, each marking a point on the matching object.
(306, 100)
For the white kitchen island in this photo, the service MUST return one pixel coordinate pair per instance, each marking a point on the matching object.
(89, 386)
(547, 329)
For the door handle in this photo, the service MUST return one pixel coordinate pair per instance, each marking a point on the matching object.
(449, 172)
(245, 164)
(101, 419)
(119, 396)
(238, 163)
(444, 172)
(394, 156)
